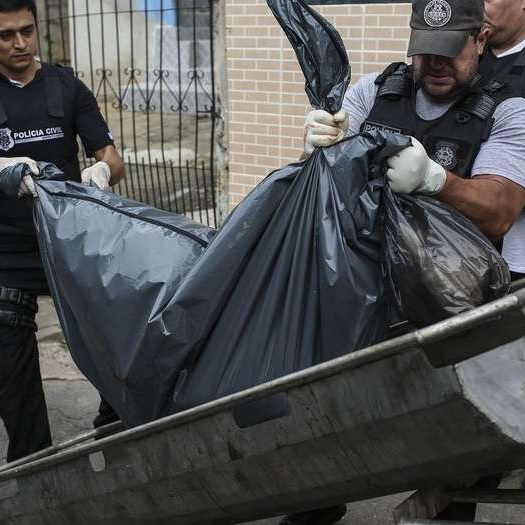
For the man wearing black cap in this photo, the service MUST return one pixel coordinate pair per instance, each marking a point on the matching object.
(462, 126)
(449, 114)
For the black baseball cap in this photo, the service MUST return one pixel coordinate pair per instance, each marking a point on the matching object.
(441, 27)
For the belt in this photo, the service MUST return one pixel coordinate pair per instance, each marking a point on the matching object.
(19, 310)
(15, 319)
(18, 297)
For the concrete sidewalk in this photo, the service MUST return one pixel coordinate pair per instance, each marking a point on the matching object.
(73, 403)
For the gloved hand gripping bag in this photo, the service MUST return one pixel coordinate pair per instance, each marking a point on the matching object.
(11, 177)
(437, 262)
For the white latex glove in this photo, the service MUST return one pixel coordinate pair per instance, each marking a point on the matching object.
(7, 162)
(413, 171)
(322, 129)
(98, 174)
(27, 187)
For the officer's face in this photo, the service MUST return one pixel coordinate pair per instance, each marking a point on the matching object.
(443, 78)
(18, 41)
(505, 21)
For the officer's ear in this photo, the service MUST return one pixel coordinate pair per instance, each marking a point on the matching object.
(481, 39)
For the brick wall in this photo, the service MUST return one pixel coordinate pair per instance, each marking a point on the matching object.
(267, 104)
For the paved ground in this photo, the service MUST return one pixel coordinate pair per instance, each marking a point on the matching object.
(72, 404)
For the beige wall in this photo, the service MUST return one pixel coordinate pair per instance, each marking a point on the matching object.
(267, 103)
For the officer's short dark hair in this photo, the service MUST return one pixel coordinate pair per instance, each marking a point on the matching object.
(10, 6)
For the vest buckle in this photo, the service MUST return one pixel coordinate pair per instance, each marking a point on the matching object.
(493, 86)
(462, 117)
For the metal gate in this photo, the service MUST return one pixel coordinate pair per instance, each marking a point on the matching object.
(150, 65)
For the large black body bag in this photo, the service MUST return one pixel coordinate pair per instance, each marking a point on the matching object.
(159, 320)
(112, 265)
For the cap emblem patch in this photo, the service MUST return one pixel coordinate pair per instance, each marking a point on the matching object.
(437, 13)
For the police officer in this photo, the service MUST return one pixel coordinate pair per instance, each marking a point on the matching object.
(43, 109)
(461, 123)
(464, 123)
(505, 22)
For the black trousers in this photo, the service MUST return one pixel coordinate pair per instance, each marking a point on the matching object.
(22, 403)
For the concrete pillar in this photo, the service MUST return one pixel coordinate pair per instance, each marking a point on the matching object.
(222, 149)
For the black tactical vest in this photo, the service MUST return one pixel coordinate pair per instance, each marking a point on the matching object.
(454, 139)
(20, 264)
(54, 98)
(511, 66)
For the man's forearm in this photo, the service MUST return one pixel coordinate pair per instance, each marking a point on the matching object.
(110, 156)
(492, 203)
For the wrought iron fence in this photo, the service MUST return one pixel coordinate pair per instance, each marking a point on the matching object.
(150, 65)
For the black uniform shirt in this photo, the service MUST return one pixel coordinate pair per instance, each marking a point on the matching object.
(44, 119)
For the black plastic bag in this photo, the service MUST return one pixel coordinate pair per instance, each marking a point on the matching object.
(297, 275)
(291, 279)
(320, 51)
(438, 264)
(112, 264)
(160, 321)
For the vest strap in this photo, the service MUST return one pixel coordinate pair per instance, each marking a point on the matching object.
(482, 106)
(483, 103)
(55, 100)
(396, 85)
(519, 63)
(3, 114)
(394, 81)
(493, 86)
(395, 67)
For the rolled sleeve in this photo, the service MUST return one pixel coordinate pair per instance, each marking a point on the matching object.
(503, 154)
(89, 123)
(359, 101)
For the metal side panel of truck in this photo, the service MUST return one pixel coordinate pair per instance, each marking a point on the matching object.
(431, 407)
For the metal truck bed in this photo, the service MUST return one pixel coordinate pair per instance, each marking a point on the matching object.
(418, 410)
